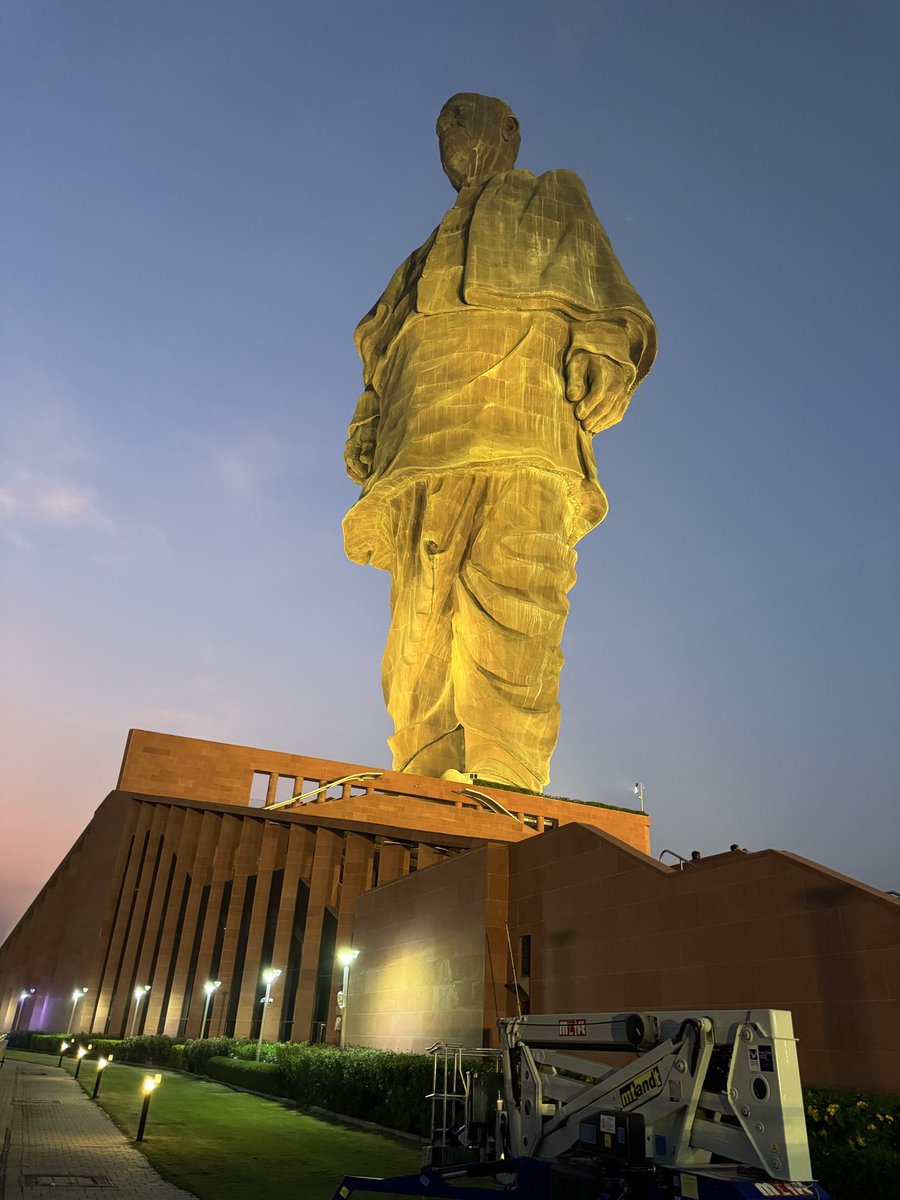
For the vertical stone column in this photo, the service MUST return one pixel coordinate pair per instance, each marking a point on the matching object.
(112, 1004)
(358, 860)
(216, 836)
(321, 892)
(245, 865)
(274, 839)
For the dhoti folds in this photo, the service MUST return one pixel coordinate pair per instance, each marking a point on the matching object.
(481, 568)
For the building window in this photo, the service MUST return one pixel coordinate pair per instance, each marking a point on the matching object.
(286, 788)
(259, 789)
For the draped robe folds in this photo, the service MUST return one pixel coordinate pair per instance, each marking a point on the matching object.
(464, 364)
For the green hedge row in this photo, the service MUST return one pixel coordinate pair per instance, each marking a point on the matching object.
(245, 1073)
(383, 1086)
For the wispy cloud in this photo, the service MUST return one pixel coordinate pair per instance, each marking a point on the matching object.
(33, 497)
(244, 467)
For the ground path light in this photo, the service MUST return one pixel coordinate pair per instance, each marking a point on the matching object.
(102, 1064)
(269, 976)
(78, 994)
(80, 1053)
(151, 1083)
(346, 958)
(62, 1052)
(210, 988)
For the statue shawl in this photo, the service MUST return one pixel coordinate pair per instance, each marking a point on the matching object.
(533, 243)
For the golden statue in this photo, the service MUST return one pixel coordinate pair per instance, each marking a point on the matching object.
(500, 347)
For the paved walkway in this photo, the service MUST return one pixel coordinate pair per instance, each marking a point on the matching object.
(59, 1144)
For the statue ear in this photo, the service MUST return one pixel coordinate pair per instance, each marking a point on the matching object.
(509, 128)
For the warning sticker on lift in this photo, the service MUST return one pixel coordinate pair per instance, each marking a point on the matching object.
(643, 1085)
(573, 1027)
(777, 1188)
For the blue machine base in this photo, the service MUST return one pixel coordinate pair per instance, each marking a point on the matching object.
(530, 1179)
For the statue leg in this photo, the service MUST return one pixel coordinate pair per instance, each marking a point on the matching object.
(510, 608)
(417, 675)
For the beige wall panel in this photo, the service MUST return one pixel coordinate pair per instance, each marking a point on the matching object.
(271, 856)
(420, 975)
(359, 856)
(322, 883)
(393, 862)
(246, 856)
(217, 835)
(114, 996)
(185, 850)
(612, 929)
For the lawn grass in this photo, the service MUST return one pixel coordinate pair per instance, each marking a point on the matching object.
(226, 1145)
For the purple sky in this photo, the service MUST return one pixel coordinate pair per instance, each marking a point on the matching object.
(202, 197)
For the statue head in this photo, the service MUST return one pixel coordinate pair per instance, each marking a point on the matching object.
(478, 136)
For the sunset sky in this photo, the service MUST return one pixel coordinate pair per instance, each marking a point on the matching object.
(202, 197)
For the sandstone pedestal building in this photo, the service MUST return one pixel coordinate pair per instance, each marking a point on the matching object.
(186, 874)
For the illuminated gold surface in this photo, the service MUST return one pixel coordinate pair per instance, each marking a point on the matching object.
(499, 348)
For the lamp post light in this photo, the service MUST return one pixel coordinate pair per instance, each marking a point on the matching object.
(102, 1063)
(139, 994)
(24, 995)
(151, 1083)
(210, 987)
(79, 1054)
(78, 994)
(62, 1052)
(269, 976)
(346, 958)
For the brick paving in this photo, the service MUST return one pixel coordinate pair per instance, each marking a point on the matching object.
(59, 1145)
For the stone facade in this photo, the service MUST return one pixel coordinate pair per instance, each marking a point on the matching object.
(182, 877)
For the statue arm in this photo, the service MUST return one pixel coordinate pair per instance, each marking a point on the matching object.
(359, 451)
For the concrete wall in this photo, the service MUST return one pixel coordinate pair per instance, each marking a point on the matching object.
(432, 956)
(613, 930)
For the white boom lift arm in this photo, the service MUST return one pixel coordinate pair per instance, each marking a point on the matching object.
(722, 1083)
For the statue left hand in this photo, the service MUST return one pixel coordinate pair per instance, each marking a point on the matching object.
(600, 389)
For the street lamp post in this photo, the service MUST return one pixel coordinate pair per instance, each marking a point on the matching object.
(23, 996)
(139, 994)
(210, 987)
(346, 958)
(269, 976)
(78, 994)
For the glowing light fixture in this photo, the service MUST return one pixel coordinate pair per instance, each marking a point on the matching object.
(269, 975)
(346, 958)
(139, 994)
(78, 994)
(210, 988)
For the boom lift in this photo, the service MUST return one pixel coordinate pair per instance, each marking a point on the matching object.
(711, 1109)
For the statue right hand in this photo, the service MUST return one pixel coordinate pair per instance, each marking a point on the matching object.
(359, 453)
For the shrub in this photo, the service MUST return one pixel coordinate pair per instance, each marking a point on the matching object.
(854, 1142)
(147, 1049)
(198, 1052)
(245, 1073)
(106, 1047)
(383, 1086)
(176, 1058)
(49, 1043)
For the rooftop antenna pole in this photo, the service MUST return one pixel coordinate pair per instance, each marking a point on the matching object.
(639, 792)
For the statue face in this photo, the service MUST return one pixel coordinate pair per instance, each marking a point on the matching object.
(478, 137)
